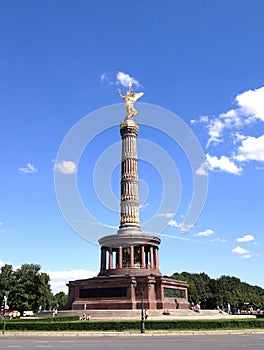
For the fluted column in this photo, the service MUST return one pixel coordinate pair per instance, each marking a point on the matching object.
(132, 256)
(110, 258)
(129, 215)
(157, 258)
(151, 257)
(120, 258)
(142, 256)
(103, 258)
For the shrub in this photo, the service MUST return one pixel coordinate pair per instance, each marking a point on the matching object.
(58, 324)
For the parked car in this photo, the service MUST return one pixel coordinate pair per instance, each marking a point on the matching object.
(14, 314)
(10, 313)
(235, 311)
(28, 313)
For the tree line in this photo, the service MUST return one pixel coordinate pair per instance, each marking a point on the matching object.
(29, 289)
(220, 292)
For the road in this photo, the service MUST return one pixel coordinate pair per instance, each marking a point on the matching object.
(203, 342)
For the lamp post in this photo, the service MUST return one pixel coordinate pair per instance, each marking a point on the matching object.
(142, 293)
(5, 306)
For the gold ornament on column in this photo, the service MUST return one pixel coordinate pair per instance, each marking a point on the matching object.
(130, 98)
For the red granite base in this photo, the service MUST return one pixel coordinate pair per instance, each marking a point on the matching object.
(125, 292)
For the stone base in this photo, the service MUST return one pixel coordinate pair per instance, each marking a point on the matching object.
(126, 293)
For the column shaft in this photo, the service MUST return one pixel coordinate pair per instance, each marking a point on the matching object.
(110, 258)
(120, 258)
(132, 256)
(151, 257)
(129, 176)
(142, 257)
(157, 258)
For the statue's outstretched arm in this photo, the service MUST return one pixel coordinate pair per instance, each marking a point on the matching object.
(119, 93)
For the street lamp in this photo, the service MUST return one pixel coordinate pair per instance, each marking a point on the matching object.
(142, 293)
(5, 307)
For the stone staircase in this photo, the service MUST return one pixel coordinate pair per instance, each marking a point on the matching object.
(152, 314)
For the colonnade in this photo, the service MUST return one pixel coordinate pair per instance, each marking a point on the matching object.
(142, 257)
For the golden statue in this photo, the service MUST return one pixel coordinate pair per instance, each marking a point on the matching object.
(130, 98)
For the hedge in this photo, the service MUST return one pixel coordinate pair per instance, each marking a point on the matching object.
(119, 326)
(47, 319)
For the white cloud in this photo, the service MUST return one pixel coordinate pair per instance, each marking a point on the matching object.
(215, 129)
(249, 107)
(59, 279)
(201, 119)
(1, 263)
(231, 118)
(103, 77)
(121, 78)
(29, 169)
(251, 103)
(166, 215)
(185, 227)
(237, 137)
(246, 238)
(239, 250)
(246, 256)
(252, 148)
(205, 233)
(173, 223)
(66, 167)
(143, 205)
(202, 170)
(218, 240)
(125, 79)
(217, 125)
(222, 164)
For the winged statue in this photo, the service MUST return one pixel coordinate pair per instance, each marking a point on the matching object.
(130, 98)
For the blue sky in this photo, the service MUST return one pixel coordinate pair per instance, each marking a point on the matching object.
(200, 61)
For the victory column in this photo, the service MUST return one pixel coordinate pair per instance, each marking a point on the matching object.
(129, 276)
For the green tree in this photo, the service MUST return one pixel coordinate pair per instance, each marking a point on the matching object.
(60, 300)
(43, 292)
(222, 291)
(29, 288)
(228, 288)
(7, 280)
(202, 284)
(192, 290)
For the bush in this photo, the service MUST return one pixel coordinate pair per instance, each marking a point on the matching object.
(58, 324)
(49, 319)
(204, 324)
